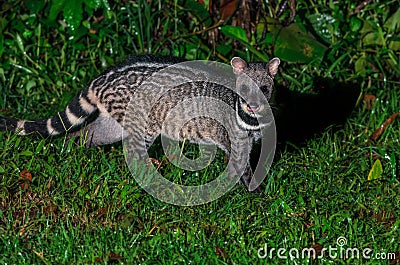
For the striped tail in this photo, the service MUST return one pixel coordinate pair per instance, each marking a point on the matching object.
(77, 112)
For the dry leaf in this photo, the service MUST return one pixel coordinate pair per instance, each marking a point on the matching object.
(221, 252)
(318, 250)
(51, 209)
(374, 156)
(26, 177)
(115, 257)
(227, 8)
(102, 211)
(111, 257)
(369, 101)
(360, 6)
(378, 132)
(308, 224)
(157, 163)
(5, 111)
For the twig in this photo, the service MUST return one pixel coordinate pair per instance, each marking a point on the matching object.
(360, 6)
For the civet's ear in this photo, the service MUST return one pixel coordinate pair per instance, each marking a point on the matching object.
(273, 66)
(238, 64)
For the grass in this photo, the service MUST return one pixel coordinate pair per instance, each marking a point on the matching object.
(83, 206)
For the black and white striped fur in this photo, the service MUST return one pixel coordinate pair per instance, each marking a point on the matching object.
(100, 108)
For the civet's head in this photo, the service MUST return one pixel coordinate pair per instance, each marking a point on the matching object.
(251, 79)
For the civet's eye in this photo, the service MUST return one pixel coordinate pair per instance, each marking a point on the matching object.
(244, 89)
(264, 89)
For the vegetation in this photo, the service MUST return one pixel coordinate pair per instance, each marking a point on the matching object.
(65, 204)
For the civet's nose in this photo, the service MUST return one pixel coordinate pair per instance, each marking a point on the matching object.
(252, 108)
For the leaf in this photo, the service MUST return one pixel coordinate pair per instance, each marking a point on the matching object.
(355, 24)
(107, 8)
(369, 101)
(73, 13)
(235, 33)
(318, 250)
(373, 38)
(26, 177)
(295, 45)
(373, 34)
(378, 132)
(360, 65)
(20, 43)
(376, 170)
(224, 49)
(199, 11)
(26, 153)
(227, 8)
(394, 43)
(35, 6)
(50, 209)
(157, 163)
(393, 23)
(115, 257)
(221, 252)
(324, 26)
(56, 8)
(93, 4)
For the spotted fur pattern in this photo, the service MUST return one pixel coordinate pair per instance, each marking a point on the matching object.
(100, 108)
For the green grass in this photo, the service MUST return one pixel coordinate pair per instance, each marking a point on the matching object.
(83, 206)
